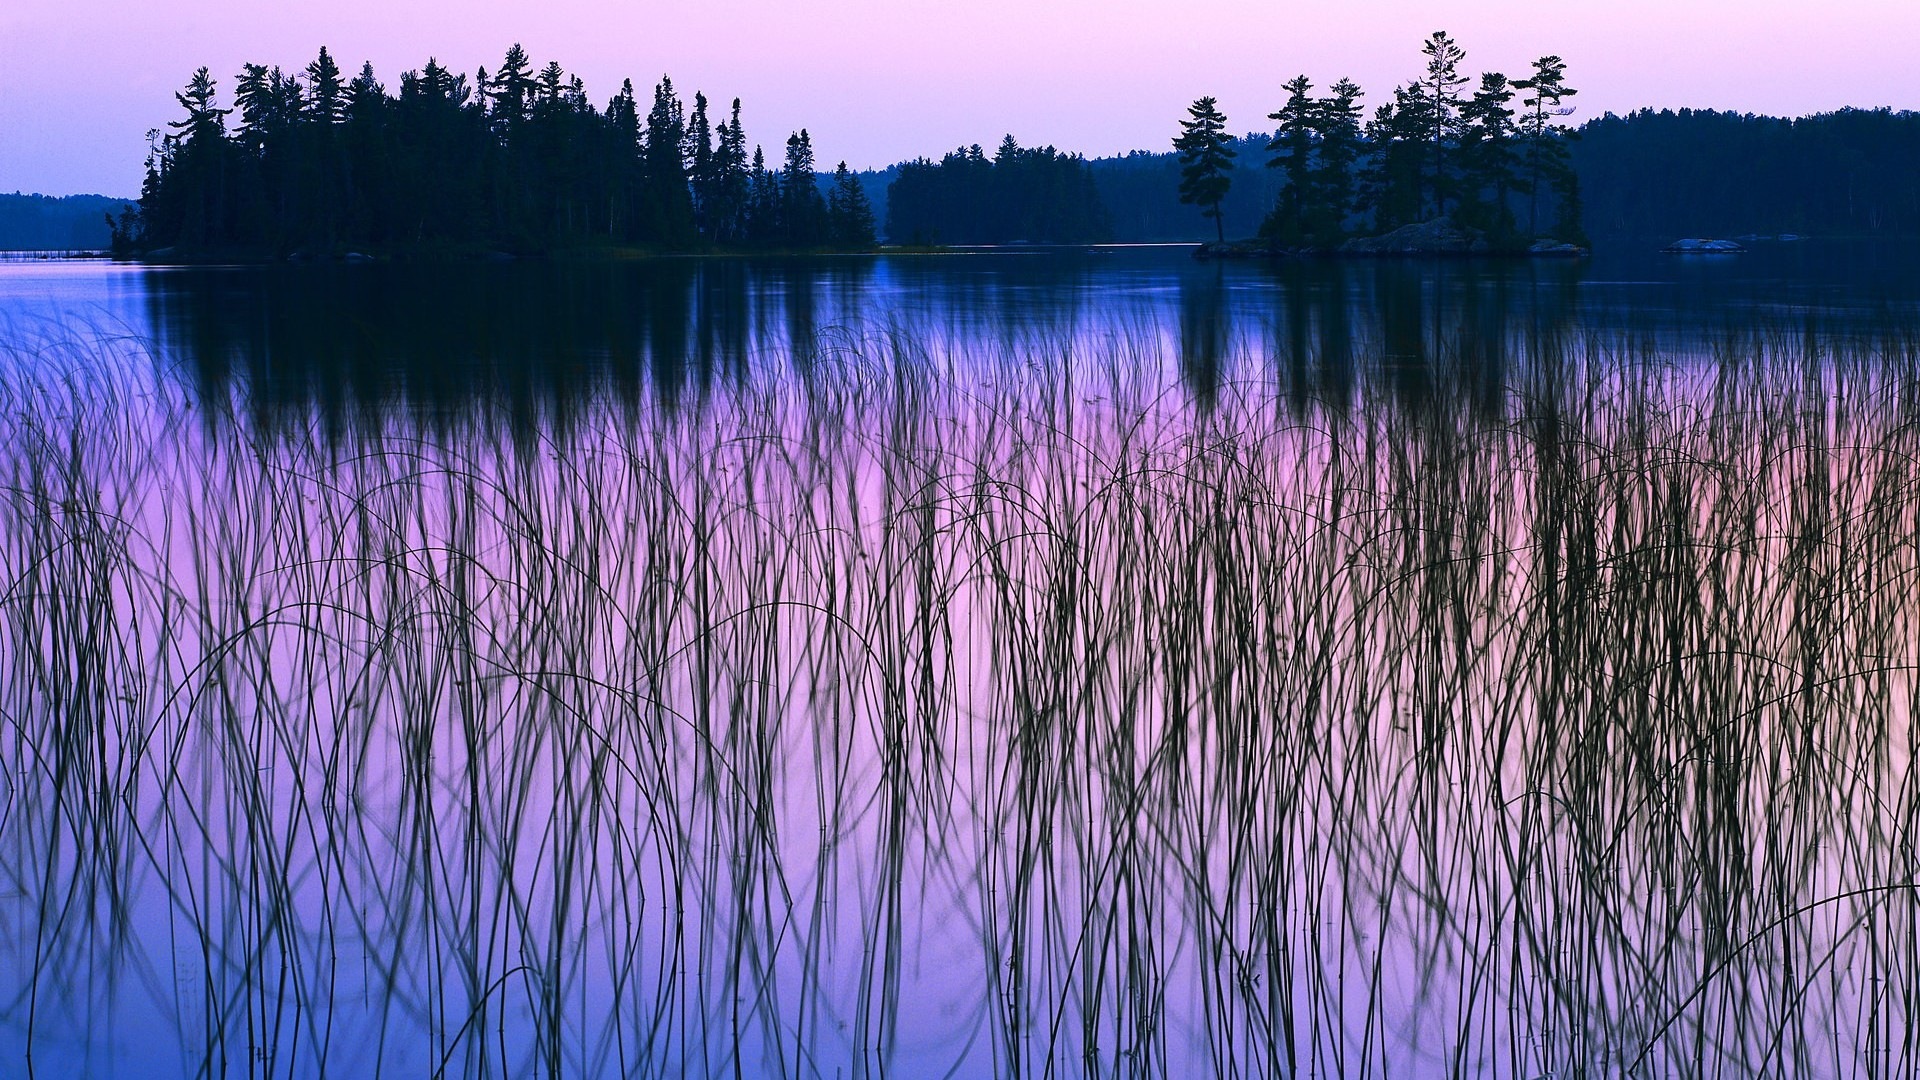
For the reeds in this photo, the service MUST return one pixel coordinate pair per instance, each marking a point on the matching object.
(918, 714)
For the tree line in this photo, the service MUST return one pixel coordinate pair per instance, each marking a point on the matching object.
(1037, 195)
(1698, 172)
(519, 160)
(1493, 157)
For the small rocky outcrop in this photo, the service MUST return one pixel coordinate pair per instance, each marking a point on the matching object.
(1437, 237)
(1703, 247)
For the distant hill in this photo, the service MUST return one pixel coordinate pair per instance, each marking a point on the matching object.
(46, 223)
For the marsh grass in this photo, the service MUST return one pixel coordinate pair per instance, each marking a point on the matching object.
(1020, 714)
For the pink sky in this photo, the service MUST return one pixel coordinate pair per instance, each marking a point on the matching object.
(880, 80)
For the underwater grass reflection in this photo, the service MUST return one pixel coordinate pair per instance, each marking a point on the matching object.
(883, 720)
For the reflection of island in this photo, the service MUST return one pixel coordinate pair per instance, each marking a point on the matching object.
(354, 343)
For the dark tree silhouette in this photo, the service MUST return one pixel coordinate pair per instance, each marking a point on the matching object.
(849, 214)
(518, 160)
(1206, 157)
(1547, 160)
(1034, 194)
(1440, 90)
(1293, 147)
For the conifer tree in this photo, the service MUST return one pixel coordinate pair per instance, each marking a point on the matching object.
(1337, 131)
(1394, 185)
(1440, 88)
(1546, 158)
(734, 185)
(669, 203)
(849, 213)
(1292, 149)
(1206, 159)
(512, 89)
(764, 226)
(1487, 154)
(801, 205)
(701, 171)
(327, 101)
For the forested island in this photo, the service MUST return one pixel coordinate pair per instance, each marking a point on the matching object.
(516, 161)
(520, 161)
(1437, 169)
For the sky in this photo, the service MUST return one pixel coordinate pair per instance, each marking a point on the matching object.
(879, 81)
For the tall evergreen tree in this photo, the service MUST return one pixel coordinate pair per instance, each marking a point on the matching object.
(1337, 131)
(1206, 160)
(197, 160)
(764, 226)
(327, 99)
(733, 187)
(1395, 183)
(512, 91)
(803, 211)
(849, 213)
(1292, 149)
(1487, 155)
(701, 172)
(1547, 161)
(669, 203)
(1440, 89)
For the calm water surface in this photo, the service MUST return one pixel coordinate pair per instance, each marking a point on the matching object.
(1032, 663)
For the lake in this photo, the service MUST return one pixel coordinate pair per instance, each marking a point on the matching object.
(1031, 662)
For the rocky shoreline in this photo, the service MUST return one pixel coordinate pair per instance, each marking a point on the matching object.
(1427, 239)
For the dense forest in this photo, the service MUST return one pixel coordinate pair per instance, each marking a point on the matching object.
(1702, 173)
(1649, 175)
(516, 160)
(1019, 194)
(45, 223)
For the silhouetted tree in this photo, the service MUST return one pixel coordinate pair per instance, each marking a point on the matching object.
(1393, 186)
(803, 212)
(1205, 158)
(1487, 156)
(1336, 122)
(1440, 90)
(1292, 149)
(765, 226)
(669, 205)
(849, 214)
(1546, 157)
(1034, 194)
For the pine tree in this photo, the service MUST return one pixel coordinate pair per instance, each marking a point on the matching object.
(800, 200)
(512, 90)
(327, 103)
(1292, 149)
(1441, 87)
(849, 213)
(734, 186)
(701, 170)
(1337, 131)
(1206, 160)
(197, 161)
(1545, 138)
(669, 203)
(764, 224)
(1393, 187)
(1487, 155)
